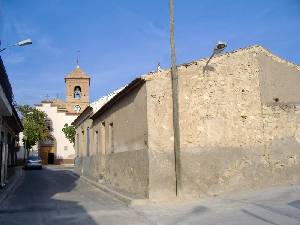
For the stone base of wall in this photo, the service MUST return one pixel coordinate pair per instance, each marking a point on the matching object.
(162, 181)
(20, 162)
(219, 170)
(127, 171)
(63, 161)
(10, 171)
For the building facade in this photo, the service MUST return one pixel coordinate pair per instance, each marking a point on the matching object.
(239, 122)
(85, 139)
(10, 126)
(57, 149)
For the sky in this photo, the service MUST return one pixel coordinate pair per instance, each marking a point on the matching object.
(119, 40)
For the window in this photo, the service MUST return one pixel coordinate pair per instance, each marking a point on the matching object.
(77, 92)
(77, 144)
(1, 152)
(8, 138)
(103, 142)
(88, 141)
(111, 137)
(49, 124)
(96, 142)
(66, 148)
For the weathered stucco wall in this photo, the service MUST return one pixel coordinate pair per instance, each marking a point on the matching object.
(227, 134)
(239, 129)
(123, 146)
(86, 162)
(280, 81)
(160, 136)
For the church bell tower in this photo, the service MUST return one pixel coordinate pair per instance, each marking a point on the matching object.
(77, 91)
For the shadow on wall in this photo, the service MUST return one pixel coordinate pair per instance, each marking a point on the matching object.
(41, 200)
(208, 68)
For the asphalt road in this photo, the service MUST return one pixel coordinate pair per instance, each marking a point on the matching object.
(55, 197)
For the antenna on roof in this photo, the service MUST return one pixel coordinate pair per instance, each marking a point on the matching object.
(77, 59)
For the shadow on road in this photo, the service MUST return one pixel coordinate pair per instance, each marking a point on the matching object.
(44, 197)
(295, 204)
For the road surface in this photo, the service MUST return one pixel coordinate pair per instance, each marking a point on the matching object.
(55, 196)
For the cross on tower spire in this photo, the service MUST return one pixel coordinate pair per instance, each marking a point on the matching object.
(77, 60)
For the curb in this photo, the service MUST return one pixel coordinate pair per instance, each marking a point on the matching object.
(129, 201)
(123, 198)
(12, 184)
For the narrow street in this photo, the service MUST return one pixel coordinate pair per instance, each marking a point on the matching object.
(56, 197)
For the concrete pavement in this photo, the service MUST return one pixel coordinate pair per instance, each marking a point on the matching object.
(276, 205)
(12, 183)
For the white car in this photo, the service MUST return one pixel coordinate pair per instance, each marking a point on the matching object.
(33, 162)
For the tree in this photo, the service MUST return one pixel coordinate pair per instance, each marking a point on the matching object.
(70, 133)
(35, 126)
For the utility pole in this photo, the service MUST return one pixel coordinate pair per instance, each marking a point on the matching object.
(174, 78)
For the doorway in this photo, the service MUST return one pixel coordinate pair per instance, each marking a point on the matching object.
(50, 158)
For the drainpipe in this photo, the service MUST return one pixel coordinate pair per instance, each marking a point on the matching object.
(174, 78)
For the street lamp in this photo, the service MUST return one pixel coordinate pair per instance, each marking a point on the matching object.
(20, 43)
(220, 46)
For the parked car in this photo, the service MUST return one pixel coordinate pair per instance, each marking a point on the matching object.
(33, 162)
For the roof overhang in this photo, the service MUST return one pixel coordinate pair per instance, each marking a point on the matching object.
(131, 86)
(5, 106)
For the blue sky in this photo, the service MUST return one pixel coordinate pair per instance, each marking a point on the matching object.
(122, 39)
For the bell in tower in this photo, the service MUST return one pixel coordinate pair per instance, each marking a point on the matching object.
(77, 92)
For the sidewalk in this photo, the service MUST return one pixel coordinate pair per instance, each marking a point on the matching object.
(61, 166)
(123, 197)
(12, 184)
(128, 200)
(275, 205)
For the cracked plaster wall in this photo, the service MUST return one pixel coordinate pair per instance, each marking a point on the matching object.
(230, 138)
(160, 136)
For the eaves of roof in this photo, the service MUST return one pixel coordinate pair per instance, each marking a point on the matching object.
(131, 86)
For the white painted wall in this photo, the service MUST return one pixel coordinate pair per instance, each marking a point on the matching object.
(59, 119)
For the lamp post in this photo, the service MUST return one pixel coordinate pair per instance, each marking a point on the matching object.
(24, 139)
(20, 43)
(220, 46)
